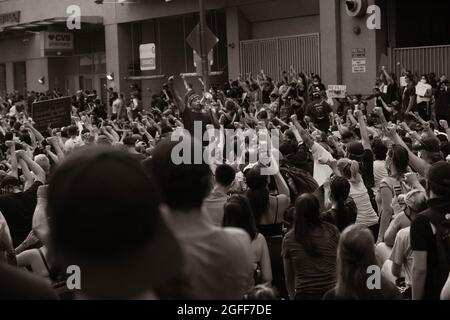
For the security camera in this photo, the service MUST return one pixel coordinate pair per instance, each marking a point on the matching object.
(356, 8)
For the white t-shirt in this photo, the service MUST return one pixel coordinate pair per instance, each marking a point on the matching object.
(402, 254)
(218, 264)
(366, 217)
(379, 173)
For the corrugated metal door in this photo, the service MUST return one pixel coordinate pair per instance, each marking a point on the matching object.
(422, 60)
(277, 54)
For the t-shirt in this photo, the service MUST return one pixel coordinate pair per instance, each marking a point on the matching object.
(213, 206)
(442, 103)
(313, 275)
(18, 209)
(117, 104)
(408, 93)
(319, 113)
(401, 253)
(367, 217)
(424, 239)
(379, 173)
(218, 264)
(189, 118)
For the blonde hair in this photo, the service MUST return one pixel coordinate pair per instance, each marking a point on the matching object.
(349, 169)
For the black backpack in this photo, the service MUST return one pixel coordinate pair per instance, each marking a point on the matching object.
(299, 181)
(441, 222)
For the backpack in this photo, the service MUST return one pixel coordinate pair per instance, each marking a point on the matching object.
(298, 180)
(441, 224)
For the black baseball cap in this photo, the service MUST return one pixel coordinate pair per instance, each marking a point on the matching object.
(104, 217)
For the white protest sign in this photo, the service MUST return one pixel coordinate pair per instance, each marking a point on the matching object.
(336, 91)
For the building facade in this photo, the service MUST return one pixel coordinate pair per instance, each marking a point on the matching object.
(39, 53)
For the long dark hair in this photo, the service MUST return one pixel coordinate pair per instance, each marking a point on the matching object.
(339, 191)
(307, 218)
(400, 158)
(355, 254)
(258, 193)
(237, 212)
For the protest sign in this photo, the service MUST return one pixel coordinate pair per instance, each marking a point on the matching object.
(55, 113)
(336, 91)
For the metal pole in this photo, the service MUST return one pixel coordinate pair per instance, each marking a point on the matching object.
(203, 53)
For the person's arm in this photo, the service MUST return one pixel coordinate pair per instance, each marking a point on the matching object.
(385, 106)
(12, 150)
(29, 179)
(445, 293)
(306, 137)
(37, 170)
(386, 211)
(444, 125)
(51, 155)
(391, 232)
(176, 96)
(113, 133)
(363, 130)
(289, 277)
(418, 164)
(419, 274)
(387, 76)
(54, 142)
(36, 133)
(379, 112)
(266, 266)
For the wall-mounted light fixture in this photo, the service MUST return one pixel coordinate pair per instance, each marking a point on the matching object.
(41, 80)
(110, 76)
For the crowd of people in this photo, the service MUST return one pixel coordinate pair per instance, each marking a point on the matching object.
(361, 183)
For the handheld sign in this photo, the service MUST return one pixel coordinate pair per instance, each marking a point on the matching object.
(336, 91)
(55, 113)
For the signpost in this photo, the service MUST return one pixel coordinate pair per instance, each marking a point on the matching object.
(202, 40)
(55, 113)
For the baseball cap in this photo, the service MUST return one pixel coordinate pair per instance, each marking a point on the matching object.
(104, 217)
(8, 180)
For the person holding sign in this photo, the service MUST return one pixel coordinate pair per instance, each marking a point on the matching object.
(424, 92)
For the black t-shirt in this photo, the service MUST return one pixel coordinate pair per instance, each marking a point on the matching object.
(423, 239)
(366, 169)
(18, 210)
(391, 93)
(408, 93)
(442, 103)
(189, 118)
(320, 115)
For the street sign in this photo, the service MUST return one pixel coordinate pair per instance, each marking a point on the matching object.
(194, 39)
(147, 55)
